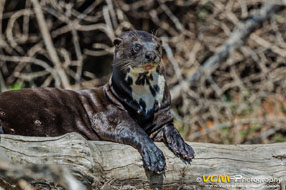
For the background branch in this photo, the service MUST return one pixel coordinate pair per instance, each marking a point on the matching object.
(235, 41)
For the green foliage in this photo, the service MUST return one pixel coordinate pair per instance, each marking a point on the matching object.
(243, 133)
(17, 86)
(247, 111)
(278, 137)
(283, 108)
(205, 11)
(225, 131)
(226, 97)
(279, 18)
(179, 126)
(254, 127)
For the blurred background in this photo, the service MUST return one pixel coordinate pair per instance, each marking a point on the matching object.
(225, 60)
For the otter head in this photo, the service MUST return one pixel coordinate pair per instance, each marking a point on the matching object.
(137, 51)
(137, 76)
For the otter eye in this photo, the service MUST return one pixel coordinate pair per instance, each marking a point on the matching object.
(137, 47)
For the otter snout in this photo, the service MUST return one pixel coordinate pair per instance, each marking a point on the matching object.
(151, 56)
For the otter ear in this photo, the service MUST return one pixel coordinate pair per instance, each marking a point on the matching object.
(160, 41)
(117, 41)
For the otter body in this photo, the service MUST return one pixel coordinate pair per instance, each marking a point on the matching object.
(132, 108)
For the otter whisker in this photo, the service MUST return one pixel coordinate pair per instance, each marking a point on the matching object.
(122, 62)
(124, 66)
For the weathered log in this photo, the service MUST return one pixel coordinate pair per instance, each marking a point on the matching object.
(106, 165)
(36, 177)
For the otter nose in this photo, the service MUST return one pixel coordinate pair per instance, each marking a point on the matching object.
(150, 56)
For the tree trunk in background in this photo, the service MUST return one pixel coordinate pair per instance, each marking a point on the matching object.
(106, 165)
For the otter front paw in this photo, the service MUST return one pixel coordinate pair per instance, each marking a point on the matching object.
(153, 158)
(177, 145)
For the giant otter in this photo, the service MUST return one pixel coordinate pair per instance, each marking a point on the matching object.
(132, 108)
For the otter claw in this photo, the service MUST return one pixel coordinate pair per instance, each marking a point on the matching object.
(153, 158)
(179, 147)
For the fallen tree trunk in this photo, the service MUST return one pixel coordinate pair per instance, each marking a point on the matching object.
(106, 165)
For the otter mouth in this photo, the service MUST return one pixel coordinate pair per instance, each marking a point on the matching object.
(148, 66)
(145, 67)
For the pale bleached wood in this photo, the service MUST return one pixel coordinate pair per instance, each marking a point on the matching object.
(106, 165)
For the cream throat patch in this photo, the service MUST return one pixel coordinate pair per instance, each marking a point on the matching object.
(147, 87)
